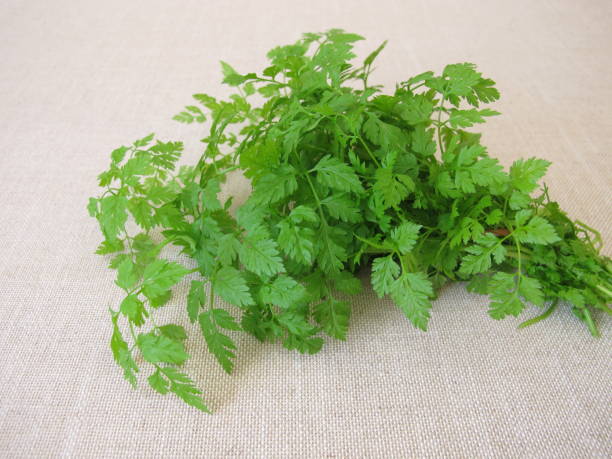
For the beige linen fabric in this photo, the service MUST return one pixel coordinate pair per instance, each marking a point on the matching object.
(80, 78)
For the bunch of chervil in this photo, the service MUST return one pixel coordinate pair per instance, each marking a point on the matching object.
(344, 177)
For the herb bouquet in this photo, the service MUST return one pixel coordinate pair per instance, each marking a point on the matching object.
(343, 177)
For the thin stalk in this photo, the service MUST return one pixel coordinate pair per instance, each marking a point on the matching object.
(440, 108)
(541, 317)
(589, 320)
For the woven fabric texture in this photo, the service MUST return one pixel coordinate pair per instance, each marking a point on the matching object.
(79, 78)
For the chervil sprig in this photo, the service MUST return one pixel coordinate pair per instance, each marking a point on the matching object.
(344, 178)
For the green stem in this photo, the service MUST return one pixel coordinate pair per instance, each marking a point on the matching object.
(541, 317)
(153, 320)
(372, 243)
(604, 289)
(211, 298)
(368, 150)
(228, 170)
(269, 80)
(401, 259)
(589, 320)
(318, 201)
(132, 332)
(440, 108)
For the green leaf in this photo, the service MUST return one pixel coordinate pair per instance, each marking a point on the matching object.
(220, 345)
(133, 309)
(519, 200)
(159, 383)
(342, 207)
(160, 300)
(231, 77)
(422, 141)
(471, 171)
(174, 332)
(479, 284)
(259, 254)
(411, 292)
(118, 154)
(184, 117)
(416, 109)
(334, 317)
(138, 165)
(113, 215)
(142, 212)
(537, 231)
(195, 299)
(164, 155)
(484, 91)
(340, 36)
(384, 272)
(121, 352)
(337, 175)
(224, 320)
(228, 249)
(303, 214)
(92, 207)
(297, 242)
(330, 250)
(229, 284)
(209, 195)
(504, 296)
(161, 349)
(404, 236)
(144, 141)
(388, 136)
(467, 118)
(274, 186)
(480, 257)
(126, 274)
(462, 78)
(391, 189)
(347, 283)
(374, 54)
(284, 292)
(109, 246)
(296, 324)
(199, 115)
(160, 275)
(182, 386)
(525, 174)
(531, 290)
(419, 78)
(486, 172)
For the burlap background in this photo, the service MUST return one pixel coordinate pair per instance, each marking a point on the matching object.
(79, 78)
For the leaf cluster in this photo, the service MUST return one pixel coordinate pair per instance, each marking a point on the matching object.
(345, 179)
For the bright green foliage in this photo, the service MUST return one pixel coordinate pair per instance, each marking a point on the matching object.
(488, 249)
(284, 292)
(384, 272)
(259, 254)
(160, 348)
(345, 179)
(334, 317)
(411, 292)
(229, 284)
(337, 175)
(219, 344)
(404, 237)
(159, 276)
(195, 299)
